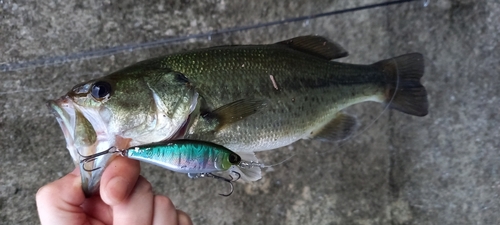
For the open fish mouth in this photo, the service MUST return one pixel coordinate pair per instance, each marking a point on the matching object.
(86, 133)
(65, 116)
(82, 139)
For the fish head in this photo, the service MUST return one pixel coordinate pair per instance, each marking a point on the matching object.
(123, 109)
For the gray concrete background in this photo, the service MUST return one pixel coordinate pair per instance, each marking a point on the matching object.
(440, 169)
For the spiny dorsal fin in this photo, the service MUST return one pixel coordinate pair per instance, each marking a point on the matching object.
(236, 111)
(340, 128)
(316, 45)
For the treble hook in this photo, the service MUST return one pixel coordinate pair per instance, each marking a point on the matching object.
(91, 158)
(230, 180)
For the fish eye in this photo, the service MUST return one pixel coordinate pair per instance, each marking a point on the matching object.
(101, 89)
(234, 158)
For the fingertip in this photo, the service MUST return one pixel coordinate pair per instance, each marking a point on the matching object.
(138, 207)
(116, 190)
(183, 218)
(164, 211)
(75, 171)
(165, 203)
(60, 200)
(66, 188)
(43, 194)
(118, 180)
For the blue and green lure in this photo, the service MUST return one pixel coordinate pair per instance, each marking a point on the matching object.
(193, 157)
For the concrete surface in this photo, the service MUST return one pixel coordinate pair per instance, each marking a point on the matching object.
(440, 169)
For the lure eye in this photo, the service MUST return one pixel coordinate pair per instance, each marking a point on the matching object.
(234, 158)
(101, 89)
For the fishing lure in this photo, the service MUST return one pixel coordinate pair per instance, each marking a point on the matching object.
(195, 158)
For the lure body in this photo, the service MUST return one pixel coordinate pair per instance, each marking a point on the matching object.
(185, 156)
(195, 158)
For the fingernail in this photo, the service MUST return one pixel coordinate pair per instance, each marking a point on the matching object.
(117, 190)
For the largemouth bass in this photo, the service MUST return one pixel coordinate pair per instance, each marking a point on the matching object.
(245, 98)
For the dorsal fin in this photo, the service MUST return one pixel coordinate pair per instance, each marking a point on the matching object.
(316, 45)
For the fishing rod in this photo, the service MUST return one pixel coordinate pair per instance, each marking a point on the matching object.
(55, 60)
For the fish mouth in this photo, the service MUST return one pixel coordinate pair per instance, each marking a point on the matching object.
(82, 140)
(86, 133)
(65, 116)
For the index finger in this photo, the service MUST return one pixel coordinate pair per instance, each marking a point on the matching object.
(59, 202)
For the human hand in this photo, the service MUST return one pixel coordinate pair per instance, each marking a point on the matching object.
(125, 198)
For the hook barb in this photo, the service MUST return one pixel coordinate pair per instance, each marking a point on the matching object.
(230, 180)
(90, 158)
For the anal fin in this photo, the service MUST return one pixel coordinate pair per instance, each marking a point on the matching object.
(340, 128)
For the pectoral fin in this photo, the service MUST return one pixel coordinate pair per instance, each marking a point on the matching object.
(235, 111)
(340, 128)
(316, 45)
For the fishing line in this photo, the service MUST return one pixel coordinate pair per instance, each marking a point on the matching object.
(250, 164)
(56, 60)
(24, 91)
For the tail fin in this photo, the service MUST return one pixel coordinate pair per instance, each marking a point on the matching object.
(404, 91)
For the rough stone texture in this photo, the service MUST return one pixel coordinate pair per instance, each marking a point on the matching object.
(399, 169)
